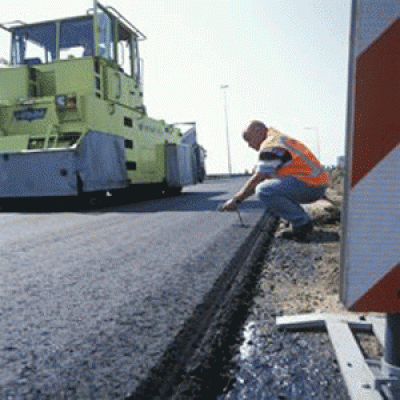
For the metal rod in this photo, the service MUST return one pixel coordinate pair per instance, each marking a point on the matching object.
(240, 218)
(220, 208)
(392, 340)
(318, 147)
(227, 130)
(141, 36)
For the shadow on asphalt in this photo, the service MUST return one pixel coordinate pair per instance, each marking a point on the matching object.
(126, 203)
(189, 201)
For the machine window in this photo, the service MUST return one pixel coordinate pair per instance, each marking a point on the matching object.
(76, 38)
(125, 50)
(106, 42)
(34, 44)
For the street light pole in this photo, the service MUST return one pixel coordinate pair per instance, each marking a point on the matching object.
(316, 130)
(224, 88)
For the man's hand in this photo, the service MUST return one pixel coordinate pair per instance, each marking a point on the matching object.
(247, 190)
(229, 205)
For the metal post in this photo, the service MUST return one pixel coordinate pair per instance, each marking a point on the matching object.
(95, 30)
(316, 130)
(392, 340)
(227, 131)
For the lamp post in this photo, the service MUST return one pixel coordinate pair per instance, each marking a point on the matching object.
(316, 130)
(224, 88)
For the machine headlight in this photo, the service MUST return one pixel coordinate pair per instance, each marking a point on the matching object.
(61, 101)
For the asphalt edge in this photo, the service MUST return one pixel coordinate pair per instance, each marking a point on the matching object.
(201, 342)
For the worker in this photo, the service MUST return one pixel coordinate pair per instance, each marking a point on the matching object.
(287, 174)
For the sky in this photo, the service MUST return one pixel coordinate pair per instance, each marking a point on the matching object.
(285, 63)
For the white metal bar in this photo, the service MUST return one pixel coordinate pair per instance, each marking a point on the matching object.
(379, 328)
(359, 379)
(302, 321)
(317, 320)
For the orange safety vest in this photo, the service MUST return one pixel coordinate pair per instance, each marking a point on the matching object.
(303, 165)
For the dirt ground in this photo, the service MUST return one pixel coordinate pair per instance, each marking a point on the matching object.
(321, 292)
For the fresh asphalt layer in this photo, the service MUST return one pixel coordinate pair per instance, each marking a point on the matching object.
(91, 299)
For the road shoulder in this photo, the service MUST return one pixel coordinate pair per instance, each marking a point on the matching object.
(297, 278)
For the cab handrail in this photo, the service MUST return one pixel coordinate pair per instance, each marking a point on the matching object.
(140, 35)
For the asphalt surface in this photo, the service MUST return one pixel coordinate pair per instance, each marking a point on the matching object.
(91, 299)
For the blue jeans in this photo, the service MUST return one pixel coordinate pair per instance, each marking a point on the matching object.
(283, 196)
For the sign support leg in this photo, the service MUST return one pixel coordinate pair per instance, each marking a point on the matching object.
(389, 379)
(392, 340)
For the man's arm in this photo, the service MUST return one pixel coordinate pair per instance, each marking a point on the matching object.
(247, 190)
(270, 161)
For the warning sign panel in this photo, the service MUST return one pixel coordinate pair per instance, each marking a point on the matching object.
(370, 267)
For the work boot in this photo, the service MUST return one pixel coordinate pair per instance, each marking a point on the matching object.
(299, 233)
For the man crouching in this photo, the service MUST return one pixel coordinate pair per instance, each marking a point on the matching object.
(287, 174)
